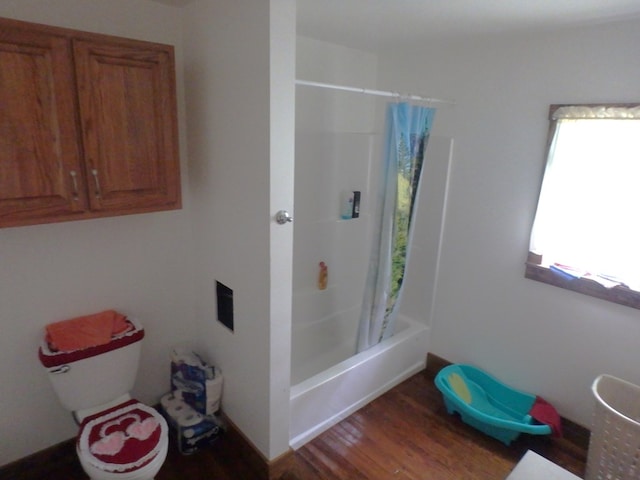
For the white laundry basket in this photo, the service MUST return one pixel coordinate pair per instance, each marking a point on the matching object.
(614, 448)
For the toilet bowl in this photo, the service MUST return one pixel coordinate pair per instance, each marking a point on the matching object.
(119, 437)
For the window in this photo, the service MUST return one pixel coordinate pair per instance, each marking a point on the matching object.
(586, 232)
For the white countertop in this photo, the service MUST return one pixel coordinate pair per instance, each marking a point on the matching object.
(535, 467)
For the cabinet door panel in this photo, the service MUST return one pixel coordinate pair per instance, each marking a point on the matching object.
(127, 108)
(40, 173)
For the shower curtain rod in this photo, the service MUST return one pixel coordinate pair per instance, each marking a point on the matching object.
(369, 91)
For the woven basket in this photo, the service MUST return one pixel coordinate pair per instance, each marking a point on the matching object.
(614, 448)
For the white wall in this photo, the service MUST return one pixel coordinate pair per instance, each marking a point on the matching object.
(281, 180)
(139, 264)
(543, 339)
(238, 139)
(241, 122)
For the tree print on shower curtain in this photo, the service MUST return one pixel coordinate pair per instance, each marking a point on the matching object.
(407, 134)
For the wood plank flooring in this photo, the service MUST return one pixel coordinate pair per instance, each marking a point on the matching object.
(405, 434)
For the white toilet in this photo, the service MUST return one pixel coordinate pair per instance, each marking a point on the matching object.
(119, 438)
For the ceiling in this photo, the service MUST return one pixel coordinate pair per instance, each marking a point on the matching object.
(390, 24)
(386, 24)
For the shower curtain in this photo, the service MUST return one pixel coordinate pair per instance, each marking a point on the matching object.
(407, 133)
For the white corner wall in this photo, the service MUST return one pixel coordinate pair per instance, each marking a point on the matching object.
(140, 265)
(240, 123)
(540, 338)
(282, 151)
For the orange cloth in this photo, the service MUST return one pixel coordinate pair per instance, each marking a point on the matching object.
(86, 331)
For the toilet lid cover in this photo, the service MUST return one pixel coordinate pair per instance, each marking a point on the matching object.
(123, 438)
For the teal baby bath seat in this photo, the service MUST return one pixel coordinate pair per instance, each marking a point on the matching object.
(487, 404)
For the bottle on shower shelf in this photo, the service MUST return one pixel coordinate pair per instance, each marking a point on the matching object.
(323, 276)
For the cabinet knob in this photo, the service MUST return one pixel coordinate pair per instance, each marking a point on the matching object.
(74, 181)
(94, 172)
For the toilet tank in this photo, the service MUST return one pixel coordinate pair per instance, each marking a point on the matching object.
(94, 376)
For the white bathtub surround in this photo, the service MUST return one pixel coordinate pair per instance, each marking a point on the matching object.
(329, 396)
(339, 150)
(317, 346)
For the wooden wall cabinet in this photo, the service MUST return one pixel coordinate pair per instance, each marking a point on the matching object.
(88, 125)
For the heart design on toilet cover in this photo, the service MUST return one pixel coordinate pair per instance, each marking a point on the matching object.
(112, 443)
(123, 438)
(142, 430)
(109, 445)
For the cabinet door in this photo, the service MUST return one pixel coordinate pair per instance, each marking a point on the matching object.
(40, 173)
(129, 126)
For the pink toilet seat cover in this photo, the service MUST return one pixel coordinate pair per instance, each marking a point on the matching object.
(123, 438)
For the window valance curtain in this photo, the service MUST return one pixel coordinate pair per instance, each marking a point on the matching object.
(596, 111)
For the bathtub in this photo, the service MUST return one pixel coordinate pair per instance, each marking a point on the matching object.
(338, 389)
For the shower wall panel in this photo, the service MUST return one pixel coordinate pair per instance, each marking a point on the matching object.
(337, 149)
(328, 165)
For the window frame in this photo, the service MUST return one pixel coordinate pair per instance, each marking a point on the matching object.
(534, 270)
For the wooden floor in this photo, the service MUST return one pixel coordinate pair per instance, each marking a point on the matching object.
(407, 434)
(404, 434)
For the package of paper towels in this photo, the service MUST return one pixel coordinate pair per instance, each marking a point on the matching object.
(193, 430)
(196, 382)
